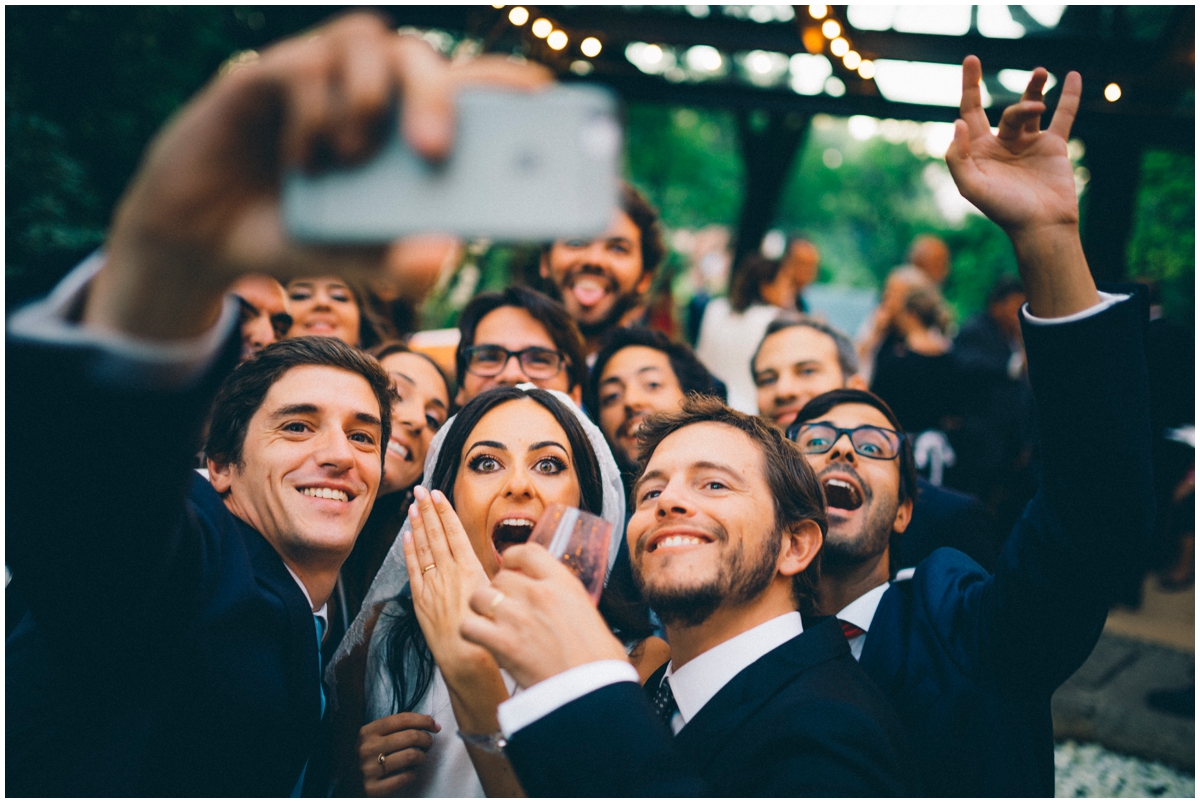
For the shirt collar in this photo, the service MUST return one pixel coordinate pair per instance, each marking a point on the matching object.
(697, 681)
(862, 611)
(323, 613)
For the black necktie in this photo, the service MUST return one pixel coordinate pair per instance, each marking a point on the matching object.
(664, 702)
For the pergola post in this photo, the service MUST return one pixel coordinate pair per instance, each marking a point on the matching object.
(769, 144)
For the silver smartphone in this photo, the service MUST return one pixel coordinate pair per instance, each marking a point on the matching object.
(525, 166)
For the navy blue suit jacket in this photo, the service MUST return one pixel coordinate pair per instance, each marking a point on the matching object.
(970, 659)
(802, 720)
(165, 649)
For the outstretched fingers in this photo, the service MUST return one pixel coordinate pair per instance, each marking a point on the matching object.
(971, 106)
(1068, 105)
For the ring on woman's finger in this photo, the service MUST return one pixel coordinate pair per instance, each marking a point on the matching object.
(491, 611)
(428, 568)
(382, 765)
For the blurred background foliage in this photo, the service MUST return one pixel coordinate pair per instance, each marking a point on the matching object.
(86, 87)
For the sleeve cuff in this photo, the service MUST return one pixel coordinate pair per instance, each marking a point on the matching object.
(1106, 301)
(530, 705)
(171, 364)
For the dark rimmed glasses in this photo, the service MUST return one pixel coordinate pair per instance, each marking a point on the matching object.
(876, 443)
(536, 362)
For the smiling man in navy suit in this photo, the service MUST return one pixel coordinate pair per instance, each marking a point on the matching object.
(970, 659)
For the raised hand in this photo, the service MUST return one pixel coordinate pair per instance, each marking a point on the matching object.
(1021, 175)
(443, 574)
(392, 749)
(1021, 178)
(204, 206)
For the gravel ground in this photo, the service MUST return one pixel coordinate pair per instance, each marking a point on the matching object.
(1088, 770)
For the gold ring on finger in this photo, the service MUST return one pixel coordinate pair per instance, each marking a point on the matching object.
(382, 765)
(491, 611)
(428, 568)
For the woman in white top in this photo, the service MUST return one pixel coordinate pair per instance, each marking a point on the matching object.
(732, 328)
(492, 471)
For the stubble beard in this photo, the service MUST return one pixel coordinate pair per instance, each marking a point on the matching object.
(869, 542)
(736, 583)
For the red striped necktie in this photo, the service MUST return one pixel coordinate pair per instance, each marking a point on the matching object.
(851, 631)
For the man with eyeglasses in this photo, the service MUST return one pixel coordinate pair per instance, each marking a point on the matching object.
(518, 336)
(970, 659)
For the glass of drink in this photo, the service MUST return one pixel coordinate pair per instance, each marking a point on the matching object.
(580, 540)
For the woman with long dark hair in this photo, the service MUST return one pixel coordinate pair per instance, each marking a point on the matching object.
(490, 474)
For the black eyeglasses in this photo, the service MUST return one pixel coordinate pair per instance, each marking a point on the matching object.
(536, 362)
(876, 443)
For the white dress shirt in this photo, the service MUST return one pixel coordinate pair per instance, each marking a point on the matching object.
(693, 684)
(861, 613)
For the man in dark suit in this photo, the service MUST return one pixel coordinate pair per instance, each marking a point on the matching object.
(169, 645)
(723, 543)
(970, 660)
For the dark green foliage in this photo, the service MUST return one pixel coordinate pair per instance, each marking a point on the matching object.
(1163, 244)
(687, 163)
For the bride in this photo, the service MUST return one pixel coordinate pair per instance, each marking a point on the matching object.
(490, 473)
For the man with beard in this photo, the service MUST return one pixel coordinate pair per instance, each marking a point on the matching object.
(724, 543)
(970, 659)
(801, 358)
(603, 281)
(639, 372)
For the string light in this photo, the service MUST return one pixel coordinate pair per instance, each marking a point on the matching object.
(818, 12)
(839, 47)
(542, 27)
(852, 60)
(557, 40)
(1112, 93)
(866, 70)
(831, 29)
(590, 47)
(518, 16)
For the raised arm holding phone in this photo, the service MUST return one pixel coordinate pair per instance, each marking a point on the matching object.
(169, 647)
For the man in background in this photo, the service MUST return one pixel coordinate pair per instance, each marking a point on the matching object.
(603, 281)
(263, 314)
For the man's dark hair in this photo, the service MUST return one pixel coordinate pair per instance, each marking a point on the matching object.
(1004, 287)
(791, 480)
(645, 217)
(847, 356)
(243, 391)
(692, 375)
(754, 271)
(820, 405)
(545, 310)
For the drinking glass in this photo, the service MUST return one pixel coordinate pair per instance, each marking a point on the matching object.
(580, 540)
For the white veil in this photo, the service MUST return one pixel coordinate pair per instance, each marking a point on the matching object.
(393, 574)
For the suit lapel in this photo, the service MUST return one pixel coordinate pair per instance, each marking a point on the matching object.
(302, 674)
(706, 734)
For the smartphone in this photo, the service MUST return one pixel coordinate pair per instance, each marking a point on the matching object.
(525, 166)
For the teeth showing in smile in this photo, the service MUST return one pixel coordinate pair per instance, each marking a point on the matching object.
(511, 531)
(399, 451)
(679, 540)
(326, 493)
(841, 494)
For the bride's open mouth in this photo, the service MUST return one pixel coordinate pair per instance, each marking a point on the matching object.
(511, 531)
